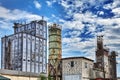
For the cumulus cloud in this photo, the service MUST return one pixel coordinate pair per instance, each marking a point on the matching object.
(9, 16)
(109, 27)
(75, 44)
(5, 25)
(16, 14)
(116, 11)
(37, 4)
(49, 3)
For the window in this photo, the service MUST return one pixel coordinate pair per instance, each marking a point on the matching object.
(86, 65)
(72, 63)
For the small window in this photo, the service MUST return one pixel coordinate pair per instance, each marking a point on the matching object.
(72, 63)
(86, 65)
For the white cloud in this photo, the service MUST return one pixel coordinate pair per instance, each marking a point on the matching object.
(9, 16)
(70, 40)
(16, 14)
(116, 11)
(73, 25)
(115, 4)
(110, 25)
(100, 12)
(74, 44)
(37, 4)
(61, 20)
(65, 4)
(53, 15)
(6, 25)
(49, 3)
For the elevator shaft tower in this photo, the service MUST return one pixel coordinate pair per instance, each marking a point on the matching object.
(54, 65)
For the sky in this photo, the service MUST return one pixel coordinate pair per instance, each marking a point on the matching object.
(81, 21)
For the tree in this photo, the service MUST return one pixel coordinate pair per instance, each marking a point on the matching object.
(43, 77)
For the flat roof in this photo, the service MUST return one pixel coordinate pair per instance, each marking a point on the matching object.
(77, 58)
(18, 73)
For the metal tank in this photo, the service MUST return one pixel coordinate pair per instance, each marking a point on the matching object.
(54, 65)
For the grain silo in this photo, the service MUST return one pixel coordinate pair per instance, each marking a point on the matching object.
(54, 69)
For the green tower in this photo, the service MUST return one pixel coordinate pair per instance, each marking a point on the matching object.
(55, 53)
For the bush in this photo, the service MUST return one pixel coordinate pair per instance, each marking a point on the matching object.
(42, 77)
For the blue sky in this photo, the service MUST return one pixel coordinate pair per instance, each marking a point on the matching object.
(81, 21)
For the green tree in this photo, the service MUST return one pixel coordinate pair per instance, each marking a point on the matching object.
(42, 77)
(49, 78)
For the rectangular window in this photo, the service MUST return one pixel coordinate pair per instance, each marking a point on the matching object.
(72, 63)
(86, 65)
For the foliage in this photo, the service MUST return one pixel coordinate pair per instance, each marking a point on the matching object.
(49, 78)
(42, 77)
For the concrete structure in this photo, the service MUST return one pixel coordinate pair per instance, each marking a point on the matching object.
(96, 73)
(19, 75)
(26, 49)
(102, 54)
(112, 65)
(81, 68)
(76, 68)
(55, 53)
(105, 60)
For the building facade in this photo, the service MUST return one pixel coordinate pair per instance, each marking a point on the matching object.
(76, 68)
(18, 75)
(26, 49)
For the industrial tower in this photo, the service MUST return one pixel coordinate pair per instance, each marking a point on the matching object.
(102, 54)
(113, 66)
(26, 49)
(54, 65)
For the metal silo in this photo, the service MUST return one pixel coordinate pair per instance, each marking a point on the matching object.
(54, 68)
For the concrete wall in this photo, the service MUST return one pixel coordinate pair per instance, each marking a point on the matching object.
(86, 66)
(78, 68)
(69, 72)
(12, 77)
(19, 75)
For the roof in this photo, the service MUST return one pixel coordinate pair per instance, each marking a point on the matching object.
(77, 58)
(18, 73)
(3, 78)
